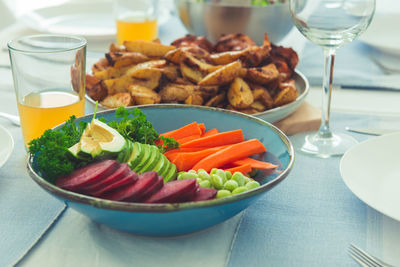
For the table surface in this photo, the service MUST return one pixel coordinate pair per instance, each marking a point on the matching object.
(74, 240)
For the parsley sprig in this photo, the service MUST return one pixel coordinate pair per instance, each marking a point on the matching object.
(134, 126)
(52, 158)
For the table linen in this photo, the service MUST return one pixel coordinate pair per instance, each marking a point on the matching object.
(312, 217)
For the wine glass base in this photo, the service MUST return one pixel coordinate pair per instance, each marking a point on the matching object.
(314, 144)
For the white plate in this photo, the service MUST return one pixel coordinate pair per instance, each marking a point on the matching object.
(371, 170)
(272, 115)
(92, 20)
(6, 145)
(383, 34)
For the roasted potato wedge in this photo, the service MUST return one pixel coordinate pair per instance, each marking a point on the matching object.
(170, 71)
(143, 95)
(261, 94)
(150, 49)
(123, 59)
(118, 85)
(223, 75)
(146, 73)
(174, 93)
(258, 105)
(286, 95)
(94, 88)
(239, 94)
(191, 74)
(224, 58)
(194, 99)
(118, 100)
(197, 64)
(110, 73)
(100, 65)
(263, 75)
(114, 47)
(146, 65)
(216, 100)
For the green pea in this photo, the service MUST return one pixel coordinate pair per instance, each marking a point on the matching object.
(216, 181)
(228, 175)
(205, 184)
(239, 178)
(192, 171)
(213, 170)
(223, 193)
(203, 175)
(221, 173)
(239, 190)
(188, 175)
(252, 184)
(230, 185)
(247, 179)
(198, 180)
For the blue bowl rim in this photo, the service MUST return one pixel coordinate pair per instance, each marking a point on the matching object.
(165, 207)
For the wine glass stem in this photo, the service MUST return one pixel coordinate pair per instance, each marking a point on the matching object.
(329, 56)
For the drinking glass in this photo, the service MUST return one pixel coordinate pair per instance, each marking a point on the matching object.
(329, 24)
(49, 80)
(136, 20)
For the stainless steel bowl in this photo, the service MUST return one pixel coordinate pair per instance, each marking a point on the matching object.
(212, 19)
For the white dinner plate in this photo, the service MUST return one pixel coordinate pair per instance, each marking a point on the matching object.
(92, 20)
(6, 145)
(383, 33)
(371, 170)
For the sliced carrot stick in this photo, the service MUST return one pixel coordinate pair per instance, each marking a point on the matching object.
(230, 154)
(210, 132)
(188, 138)
(220, 139)
(245, 168)
(202, 128)
(255, 164)
(186, 149)
(187, 130)
(186, 160)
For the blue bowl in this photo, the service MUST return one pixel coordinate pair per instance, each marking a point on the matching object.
(182, 218)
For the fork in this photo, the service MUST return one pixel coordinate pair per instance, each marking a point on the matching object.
(365, 259)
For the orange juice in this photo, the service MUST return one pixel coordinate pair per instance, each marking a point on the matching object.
(41, 111)
(131, 30)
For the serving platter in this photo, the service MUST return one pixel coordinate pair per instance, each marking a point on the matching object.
(272, 115)
(371, 171)
(6, 145)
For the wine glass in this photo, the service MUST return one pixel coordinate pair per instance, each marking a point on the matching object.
(329, 24)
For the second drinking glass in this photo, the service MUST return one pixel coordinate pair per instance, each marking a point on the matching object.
(136, 20)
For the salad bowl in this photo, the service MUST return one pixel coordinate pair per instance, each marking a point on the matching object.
(181, 218)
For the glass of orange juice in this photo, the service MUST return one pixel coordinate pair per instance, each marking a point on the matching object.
(136, 20)
(49, 80)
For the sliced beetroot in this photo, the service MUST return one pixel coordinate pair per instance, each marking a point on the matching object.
(204, 194)
(136, 190)
(188, 195)
(129, 179)
(87, 175)
(118, 174)
(149, 191)
(171, 191)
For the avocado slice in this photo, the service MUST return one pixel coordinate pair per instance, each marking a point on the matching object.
(100, 140)
(136, 155)
(124, 155)
(161, 165)
(165, 170)
(153, 160)
(171, 174)
(147, 152)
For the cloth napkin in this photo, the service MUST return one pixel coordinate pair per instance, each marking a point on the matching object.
(26, 211)
(310, 218)
(356, 66)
